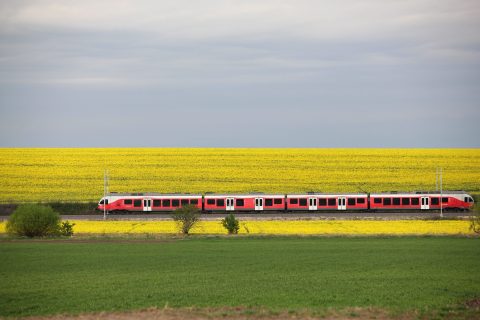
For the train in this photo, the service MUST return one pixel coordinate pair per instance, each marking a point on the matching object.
(305, 202)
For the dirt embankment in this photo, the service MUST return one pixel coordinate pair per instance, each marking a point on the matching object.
(468, 310)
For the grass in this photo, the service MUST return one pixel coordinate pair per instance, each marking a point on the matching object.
(277, 273)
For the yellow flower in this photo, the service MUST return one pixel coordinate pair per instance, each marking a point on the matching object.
(77, 174)
(301, 227)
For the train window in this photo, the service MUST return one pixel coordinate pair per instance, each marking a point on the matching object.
(322, 202)
(360, 200)
(415, 201)
(156, 203)
(303, 202)
(211, 201)
(165, 203)
(277, 201)
(128, 201)
(467, 199)
(470, 199)
(293, 201)
(406, 201)
(387, 201)
(175, 203)
(434, 201)
(396, 201)
(377, 200)
(268, 202)
(194, 201)
(351, 201)
(239, 202)
(137, 203)
(444, 200)
(332, 202)
(184, 202)
(220, 202)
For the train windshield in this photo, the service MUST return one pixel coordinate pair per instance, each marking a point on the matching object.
(103, 201)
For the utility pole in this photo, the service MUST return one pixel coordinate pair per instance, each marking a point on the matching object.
(441, 192)
(436, 179)
(105, 192)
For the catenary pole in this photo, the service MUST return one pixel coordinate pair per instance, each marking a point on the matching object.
(104, 194)
(441, 192)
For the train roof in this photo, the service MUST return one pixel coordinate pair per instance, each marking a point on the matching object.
(152, 194)
(244, 194)
(326, 194)
(420, 192)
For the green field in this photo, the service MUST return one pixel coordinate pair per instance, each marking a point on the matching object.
(396, 274)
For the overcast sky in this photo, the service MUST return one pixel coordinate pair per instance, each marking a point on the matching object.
(240, 73)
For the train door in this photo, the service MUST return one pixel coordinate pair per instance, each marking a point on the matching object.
(258, 204)
(312, 203)
(425, 203)
(230, 206)
(342, 203)
(147, 204)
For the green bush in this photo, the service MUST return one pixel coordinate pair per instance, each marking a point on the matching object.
(66, 228)
(33, 220)
(74, 207)
(186, 217)
(231, 224)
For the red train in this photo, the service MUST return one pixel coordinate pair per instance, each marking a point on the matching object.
(312, 202)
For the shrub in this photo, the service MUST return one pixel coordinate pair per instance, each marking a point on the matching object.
(66, 228)
(74, 207)
(186, 217)
(231, 224)
(33, 220)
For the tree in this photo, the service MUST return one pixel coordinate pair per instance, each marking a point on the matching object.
(231, 224)
(186, 217)
(33, 220)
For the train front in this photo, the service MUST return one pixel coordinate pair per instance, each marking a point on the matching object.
(469, 201)
(103, 204)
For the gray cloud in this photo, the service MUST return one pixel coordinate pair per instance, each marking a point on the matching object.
(240, 73)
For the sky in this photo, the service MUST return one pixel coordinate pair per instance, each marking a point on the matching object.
(240, 73)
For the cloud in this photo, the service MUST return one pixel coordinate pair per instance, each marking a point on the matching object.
(59, 42)
(362, 63)
(207, 19)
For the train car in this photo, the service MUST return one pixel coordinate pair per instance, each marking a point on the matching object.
(244, 202)
(325, 201)
(158, 202)
(421, 200)
(148, 202)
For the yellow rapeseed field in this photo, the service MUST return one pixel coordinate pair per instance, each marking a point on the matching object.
(336, 227)
(57, 174)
